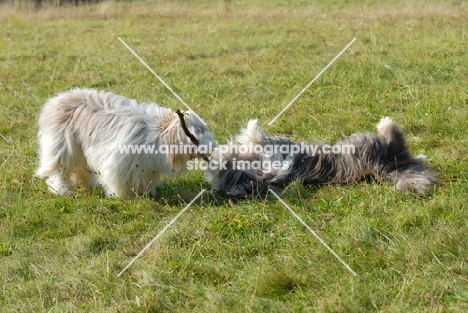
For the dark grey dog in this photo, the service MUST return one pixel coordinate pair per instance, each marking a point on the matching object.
(254, 162)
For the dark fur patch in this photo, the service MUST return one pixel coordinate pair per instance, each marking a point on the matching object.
(385, 156)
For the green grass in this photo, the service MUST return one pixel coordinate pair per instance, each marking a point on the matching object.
(233, 61)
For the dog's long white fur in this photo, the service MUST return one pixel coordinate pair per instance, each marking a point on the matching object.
(80, 132)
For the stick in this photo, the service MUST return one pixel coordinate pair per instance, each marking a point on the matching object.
(184, 127)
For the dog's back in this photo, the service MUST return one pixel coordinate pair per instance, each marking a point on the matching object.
(77, 132)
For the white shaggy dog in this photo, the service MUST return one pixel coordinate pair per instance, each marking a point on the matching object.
(82, 133)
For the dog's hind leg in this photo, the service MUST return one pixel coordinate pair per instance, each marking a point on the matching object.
(386, 129)
(391, 133)
(56, 159)
(57, 169)
(409, 173)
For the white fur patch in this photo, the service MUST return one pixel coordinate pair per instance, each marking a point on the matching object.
(386, 128)
(384, 124)
(252, 134)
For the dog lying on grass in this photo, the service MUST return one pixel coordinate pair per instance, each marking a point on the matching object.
(249, 169)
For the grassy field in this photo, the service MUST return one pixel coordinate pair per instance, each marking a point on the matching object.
(233, 61)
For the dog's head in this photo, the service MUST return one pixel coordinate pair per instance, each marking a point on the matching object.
(199, 129)
(191, 133)
(227, 153)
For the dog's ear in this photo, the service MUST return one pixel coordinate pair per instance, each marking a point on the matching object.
(196, 120)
